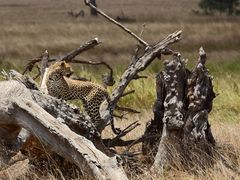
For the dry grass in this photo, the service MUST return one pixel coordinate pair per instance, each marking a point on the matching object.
(28, 27)
(221, 40)
(228, 140)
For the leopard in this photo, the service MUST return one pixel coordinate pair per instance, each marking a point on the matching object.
(60, 85)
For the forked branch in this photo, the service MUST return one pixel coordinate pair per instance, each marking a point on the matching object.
(137, 65)
(128, 93)
(68, 57)
(108, 79)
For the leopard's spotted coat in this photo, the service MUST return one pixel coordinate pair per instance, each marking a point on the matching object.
(60, 86)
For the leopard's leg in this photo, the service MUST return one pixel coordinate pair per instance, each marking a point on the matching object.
(92, 108)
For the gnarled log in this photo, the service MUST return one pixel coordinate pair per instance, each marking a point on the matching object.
(19, 109)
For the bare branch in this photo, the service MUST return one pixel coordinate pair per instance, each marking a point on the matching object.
(24, 108)
(141, 139)
(141, 41)
(24, 79)
(134, 68)
(30, 65)
(139, 77)
(88, 45)
(142, 30)
(61, 139)
(90, 62)
(117, 141)
(142, 63)
(128, 129)
(127, 93)
(114, 143)
(122, 116)
(107, 79)
(39, 73)
(44, 63)
(68, 57)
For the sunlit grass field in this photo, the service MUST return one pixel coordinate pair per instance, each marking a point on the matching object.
(28, 27)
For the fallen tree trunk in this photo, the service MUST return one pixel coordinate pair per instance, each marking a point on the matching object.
(44, 117)
(18, 109)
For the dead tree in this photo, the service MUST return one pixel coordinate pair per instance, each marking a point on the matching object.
(63, 129)
(137, 65)
(57, 125)
(140, 61)
(184, 100)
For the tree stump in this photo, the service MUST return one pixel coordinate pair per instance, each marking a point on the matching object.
(181, 131)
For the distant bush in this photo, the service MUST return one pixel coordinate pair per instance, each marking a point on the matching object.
(229, 7)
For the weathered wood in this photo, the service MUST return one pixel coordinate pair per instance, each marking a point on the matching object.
(43, 71)
(134, 68)
(68, 57)
(24, 79)
(184, 100)
(174, 80)
(44, 63)
(68, 114)
(155, 126)
(200, 95)
(24, 112)
(86, 46)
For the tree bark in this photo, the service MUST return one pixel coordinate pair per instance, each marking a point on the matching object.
(137, 65)
(18, 109)
(184, 100)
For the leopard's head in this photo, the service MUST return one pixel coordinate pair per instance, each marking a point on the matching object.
(59, 69)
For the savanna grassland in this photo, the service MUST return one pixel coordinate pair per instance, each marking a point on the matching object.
(28, 27)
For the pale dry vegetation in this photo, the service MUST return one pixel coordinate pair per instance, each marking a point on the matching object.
(30, 26)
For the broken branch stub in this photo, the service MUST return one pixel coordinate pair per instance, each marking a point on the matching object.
(43, 71)
(44, 64)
